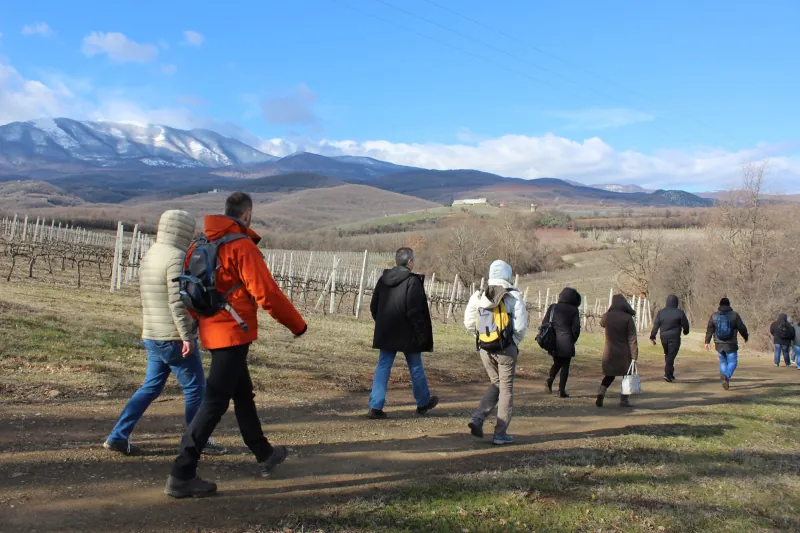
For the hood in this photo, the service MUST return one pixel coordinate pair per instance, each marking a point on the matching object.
(500, 270)
(619, 303)
(672, 301)
(783, 317)
(570, 296)
(395, 276)
(494, 293)
(176, 228)
(725, 308)
(217, 226)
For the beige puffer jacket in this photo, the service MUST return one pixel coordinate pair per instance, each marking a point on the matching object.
(164, 316)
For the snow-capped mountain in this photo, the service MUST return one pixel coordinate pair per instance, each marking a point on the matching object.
(109, 144)
(612, 187)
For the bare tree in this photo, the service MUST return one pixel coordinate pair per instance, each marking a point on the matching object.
(639, 261)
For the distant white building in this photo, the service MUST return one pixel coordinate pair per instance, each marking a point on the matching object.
(471, 201)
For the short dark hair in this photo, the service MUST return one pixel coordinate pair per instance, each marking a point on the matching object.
(238, 204)
(403, 256)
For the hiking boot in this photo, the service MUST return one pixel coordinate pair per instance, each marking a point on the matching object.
(563, 394)
(624, 401)
(212, 448)
(376, 414)
(476, 428)
(505, 438)
(279, 455)
(601, 394)
(192, 488)
(121, 446)
(726, 383)
(549, 385)
(431, 404)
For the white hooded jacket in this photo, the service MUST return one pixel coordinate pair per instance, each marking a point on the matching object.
(513, 302)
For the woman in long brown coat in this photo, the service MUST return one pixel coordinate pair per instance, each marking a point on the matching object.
(621, 345)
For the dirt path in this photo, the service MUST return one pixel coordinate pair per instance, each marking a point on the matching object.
(54, 476)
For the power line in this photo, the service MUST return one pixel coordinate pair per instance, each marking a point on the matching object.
(559, 58)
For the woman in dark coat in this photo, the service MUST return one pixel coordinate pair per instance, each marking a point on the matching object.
(621, 347)
(567, 324)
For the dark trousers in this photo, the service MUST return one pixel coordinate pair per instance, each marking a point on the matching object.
(607, 381)
(560, 364)
(228, 379)
(671, 349)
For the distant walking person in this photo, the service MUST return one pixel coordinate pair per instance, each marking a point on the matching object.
(782, 335)
(167, 333)
(498, 319)
(243, 282)
(671, 321)
(621, 347)
(399, 308)
(567, 324)
(724, 327)
(796, 343)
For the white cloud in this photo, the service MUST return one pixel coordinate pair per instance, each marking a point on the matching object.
(37, 28)
(601, 118)
(24, 99)
(118, 48)
(588, 161)
(169, 70)
(193, 38)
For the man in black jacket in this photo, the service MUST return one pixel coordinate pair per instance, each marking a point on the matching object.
(671, 321)
(399, 308)
(724, 327)
(782, 335)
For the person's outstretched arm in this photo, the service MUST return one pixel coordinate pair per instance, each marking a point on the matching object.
(685, 324)
(656, 327)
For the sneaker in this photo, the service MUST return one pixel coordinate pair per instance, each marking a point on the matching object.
(431, 404)
(376, 414)
(192, 488)
(726, 383)
(668, 379)
(505, 438)
(476, 428)
(121, 446)
(279, 455)
(212, 448)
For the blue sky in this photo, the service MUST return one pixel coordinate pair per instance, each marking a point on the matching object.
(675, 93)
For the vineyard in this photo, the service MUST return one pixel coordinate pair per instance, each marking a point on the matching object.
(323, 282)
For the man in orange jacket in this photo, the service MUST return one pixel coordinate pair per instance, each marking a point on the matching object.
(240, 262)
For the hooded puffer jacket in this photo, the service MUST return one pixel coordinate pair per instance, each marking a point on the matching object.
(671, 321)
(567, 322)
(164, 317)
(782, 324)
(499, 288)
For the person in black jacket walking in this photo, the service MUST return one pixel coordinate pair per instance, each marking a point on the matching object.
(671, 321)
(782, 335)
(567, 325)
(399, 308)
(724, 327)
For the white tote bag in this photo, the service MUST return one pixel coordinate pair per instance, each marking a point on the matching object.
(630, 383)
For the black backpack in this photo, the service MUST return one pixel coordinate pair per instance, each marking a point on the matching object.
(785, 331)
(198, 283)
(547, 334)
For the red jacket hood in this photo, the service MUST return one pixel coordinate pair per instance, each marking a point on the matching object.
(217, 226)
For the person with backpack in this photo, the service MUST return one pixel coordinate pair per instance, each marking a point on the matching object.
(399, 308)
(796, 343)
(782, 335)
(725, 326)
(167, 333)
(621, 346)
(225, 281)
(565, 318)
(499, 320)
(671, 321)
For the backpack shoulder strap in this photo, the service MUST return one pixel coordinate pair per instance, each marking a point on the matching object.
(230, 237)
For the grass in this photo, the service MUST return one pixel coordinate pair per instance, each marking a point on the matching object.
(726, 467)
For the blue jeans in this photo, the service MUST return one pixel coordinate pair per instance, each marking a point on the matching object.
(727, 363)
(781, 349)
(163, 357)
(419, 383)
